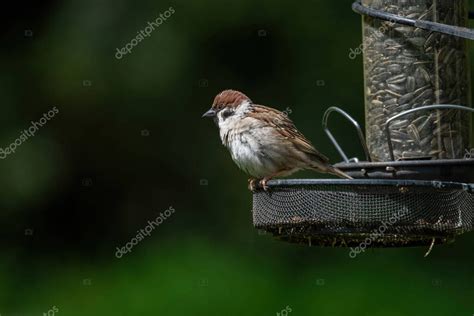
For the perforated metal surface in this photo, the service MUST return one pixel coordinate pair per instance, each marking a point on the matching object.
(344, 212)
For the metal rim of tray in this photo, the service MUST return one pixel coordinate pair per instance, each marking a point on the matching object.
(403, 163)
(367, 182)
(459, 170)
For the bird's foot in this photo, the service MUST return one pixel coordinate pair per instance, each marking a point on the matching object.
(253, 184)
(263, 184)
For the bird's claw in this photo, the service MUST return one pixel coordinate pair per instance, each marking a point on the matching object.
(252, 184)
(263, 184)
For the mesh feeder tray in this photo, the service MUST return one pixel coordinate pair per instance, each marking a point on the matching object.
(395, 212)
(391, 213)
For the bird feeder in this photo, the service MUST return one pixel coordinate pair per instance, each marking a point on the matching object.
(415, 185)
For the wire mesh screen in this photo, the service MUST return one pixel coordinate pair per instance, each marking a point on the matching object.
(344, 212)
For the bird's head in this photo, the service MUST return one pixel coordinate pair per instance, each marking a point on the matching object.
(226, 104)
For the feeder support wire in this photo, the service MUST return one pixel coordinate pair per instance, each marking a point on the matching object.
(425, 25)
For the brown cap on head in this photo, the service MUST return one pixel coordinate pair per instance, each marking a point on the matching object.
(226, 99)
(229, 98)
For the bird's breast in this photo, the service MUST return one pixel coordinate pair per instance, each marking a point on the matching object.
(246, 144)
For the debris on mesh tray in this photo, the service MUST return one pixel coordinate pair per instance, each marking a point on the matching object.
(305, 235)
(297, 219)
(431, 248)
(403, 189)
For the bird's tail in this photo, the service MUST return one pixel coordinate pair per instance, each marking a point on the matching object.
(339, 173)
(332, 170)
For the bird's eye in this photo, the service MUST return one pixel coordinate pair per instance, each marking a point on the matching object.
(226, 113)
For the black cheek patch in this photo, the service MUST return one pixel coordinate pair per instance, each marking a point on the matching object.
(226, 114)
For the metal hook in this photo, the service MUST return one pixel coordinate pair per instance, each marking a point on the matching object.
(421, 108)
(333, 140)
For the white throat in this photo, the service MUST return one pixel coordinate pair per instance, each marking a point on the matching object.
(227, 124)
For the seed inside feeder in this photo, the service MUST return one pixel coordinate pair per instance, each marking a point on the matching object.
(407, 67)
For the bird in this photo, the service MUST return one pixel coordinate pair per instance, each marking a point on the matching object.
(263, 141)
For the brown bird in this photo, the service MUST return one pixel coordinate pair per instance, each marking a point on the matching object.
(263, 141)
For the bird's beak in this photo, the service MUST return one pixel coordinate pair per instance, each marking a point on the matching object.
(210, 113)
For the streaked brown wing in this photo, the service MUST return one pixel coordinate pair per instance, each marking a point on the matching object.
(287, 129)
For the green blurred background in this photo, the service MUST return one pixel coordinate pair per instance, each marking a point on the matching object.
(129, 142)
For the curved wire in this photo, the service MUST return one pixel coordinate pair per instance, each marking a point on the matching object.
(333, 139)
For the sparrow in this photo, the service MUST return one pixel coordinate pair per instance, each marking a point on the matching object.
(262, 141)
